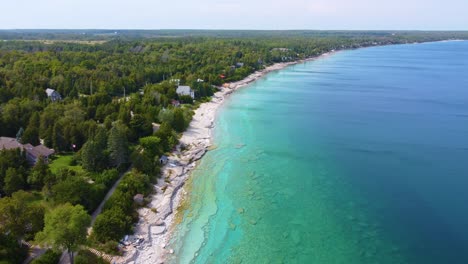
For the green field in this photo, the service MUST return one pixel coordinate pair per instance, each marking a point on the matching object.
(64, 161)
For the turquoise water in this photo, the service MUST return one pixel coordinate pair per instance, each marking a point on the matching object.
(359, 157)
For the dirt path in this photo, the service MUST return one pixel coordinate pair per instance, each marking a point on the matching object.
(64, 259)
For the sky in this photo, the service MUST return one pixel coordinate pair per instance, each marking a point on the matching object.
(235, 14)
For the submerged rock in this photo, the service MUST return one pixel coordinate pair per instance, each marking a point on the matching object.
(232, 226)
(296, 237)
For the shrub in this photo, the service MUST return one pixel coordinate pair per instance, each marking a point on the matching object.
(11, 251)
(107, 177)
(49, 257)
(113, 224)
(110, 247)
(87, 257)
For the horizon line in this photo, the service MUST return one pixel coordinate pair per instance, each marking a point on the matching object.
(239, 29)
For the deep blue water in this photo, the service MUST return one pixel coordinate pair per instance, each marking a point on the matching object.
(358, 157)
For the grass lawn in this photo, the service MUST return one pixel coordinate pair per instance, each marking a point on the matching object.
(38, 199)
(63, 161)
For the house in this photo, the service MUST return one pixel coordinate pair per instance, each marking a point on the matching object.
(200, 80)
(239, 64)
(185, 90)
(163, 160)
(33, 153)
(53, 95)
(9, 143)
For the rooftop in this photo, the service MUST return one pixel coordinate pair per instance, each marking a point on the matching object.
(9, 143)
(184, 90)
(49, 91)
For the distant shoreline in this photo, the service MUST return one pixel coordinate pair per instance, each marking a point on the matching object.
(156, 227)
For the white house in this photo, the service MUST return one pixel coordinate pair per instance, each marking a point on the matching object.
(53, 95)
(185, 90)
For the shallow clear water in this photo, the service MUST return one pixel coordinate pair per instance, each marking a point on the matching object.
(359, 157)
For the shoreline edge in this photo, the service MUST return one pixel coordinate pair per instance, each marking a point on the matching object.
(155, 226)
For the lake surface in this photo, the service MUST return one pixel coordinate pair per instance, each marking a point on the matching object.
(358, 157)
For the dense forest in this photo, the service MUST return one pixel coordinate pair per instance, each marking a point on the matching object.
(117, 115)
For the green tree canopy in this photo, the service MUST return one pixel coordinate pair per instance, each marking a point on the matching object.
(14, 181)
(40, 175)
(113, 224)
(19, 217)
(65, 228)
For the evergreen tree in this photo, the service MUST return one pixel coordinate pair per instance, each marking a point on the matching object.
(31, 134)
(58, 139)
(118, 145)
(90, 156)
(94, 155)
(14, 181)
(40, 175)
(179, 122)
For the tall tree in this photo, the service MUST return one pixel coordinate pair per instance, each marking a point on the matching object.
(179, 121)
(65, 228)
(14, 181)
(94, 154)
(12, 158)
(40, 175)
(58, 137)
(118, 145)
(91, 156)
(31, 134)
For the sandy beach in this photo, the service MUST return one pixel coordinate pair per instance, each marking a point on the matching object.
(156, 219)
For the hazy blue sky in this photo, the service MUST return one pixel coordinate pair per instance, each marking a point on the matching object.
(235, 14)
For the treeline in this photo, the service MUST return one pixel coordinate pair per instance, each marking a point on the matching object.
(109, 34)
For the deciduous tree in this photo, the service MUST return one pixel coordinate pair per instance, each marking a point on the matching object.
(65, 228)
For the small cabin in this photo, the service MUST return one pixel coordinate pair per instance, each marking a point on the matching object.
(163, 160)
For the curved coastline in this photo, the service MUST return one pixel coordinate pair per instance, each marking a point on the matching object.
(157, 219)
(155, 226)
